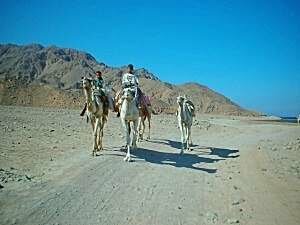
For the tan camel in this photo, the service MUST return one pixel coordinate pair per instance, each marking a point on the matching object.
(97, 113)
(144, 113)
(185, 114)
(129, 114)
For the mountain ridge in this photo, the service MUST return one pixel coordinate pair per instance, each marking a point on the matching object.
(28, 66)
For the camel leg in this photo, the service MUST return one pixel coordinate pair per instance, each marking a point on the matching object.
(188, 129)
(185, 136)
(101, 133)
(126, 126)
(182, 137)
(95, 136)
(140, 137)
(141, 129)
(190, 136)
(100, 136)
(134, 134)
(149, 127)
(93, 123)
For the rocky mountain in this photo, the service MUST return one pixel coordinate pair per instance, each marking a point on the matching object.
(50, 76)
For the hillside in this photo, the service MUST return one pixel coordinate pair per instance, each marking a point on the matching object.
(34, 75)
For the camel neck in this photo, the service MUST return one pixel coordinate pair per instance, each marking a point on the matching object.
(88, 95)
(181, 113)
(90, 103)
(128, 107)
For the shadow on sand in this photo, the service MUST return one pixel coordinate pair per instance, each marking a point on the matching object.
(220, 152)
(186, 160)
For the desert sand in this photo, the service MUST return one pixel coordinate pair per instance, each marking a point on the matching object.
(240, 171)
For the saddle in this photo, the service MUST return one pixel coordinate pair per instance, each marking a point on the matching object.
(100, 97)
(144, 99)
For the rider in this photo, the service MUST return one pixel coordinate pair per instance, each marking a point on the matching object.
(99, 89)
(130, 80)
(99, 84)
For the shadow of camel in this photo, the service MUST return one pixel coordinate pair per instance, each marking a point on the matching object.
(173, 144)
(174, 159)
(220, 152)
(186, 160)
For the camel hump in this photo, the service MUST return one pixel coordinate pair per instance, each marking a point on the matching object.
(191, 106)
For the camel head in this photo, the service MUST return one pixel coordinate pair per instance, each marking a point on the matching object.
(180, 99)
(128, 94)
(86, 83)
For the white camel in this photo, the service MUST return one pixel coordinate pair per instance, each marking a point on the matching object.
(96, 113)
(129, 114)
(185, 114)
(144, 114)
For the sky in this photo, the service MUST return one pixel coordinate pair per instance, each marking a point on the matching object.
(247, 50)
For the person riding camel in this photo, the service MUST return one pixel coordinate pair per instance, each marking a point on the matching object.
(129, 80)
(99, 90)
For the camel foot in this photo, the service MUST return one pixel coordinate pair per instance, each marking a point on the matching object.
(127, 159)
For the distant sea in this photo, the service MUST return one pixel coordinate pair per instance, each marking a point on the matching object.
(289, 119)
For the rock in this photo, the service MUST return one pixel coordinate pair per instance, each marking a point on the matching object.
(274, 149)
(212, 217)
(233, 221)
(52, 130)
(237, 202)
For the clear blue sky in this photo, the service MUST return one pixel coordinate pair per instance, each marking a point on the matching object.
(247, 50)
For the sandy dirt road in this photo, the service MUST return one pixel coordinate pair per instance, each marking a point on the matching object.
(239, 172)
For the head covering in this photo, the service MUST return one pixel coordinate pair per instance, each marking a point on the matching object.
(98, 73)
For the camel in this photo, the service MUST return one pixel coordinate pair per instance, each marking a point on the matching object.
(129, 114)
(97, 113)
(144, 114)
(185, 114)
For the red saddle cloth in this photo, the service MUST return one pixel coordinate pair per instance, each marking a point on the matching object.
(145, 100)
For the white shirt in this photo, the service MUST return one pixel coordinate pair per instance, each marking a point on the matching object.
(130, 79)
